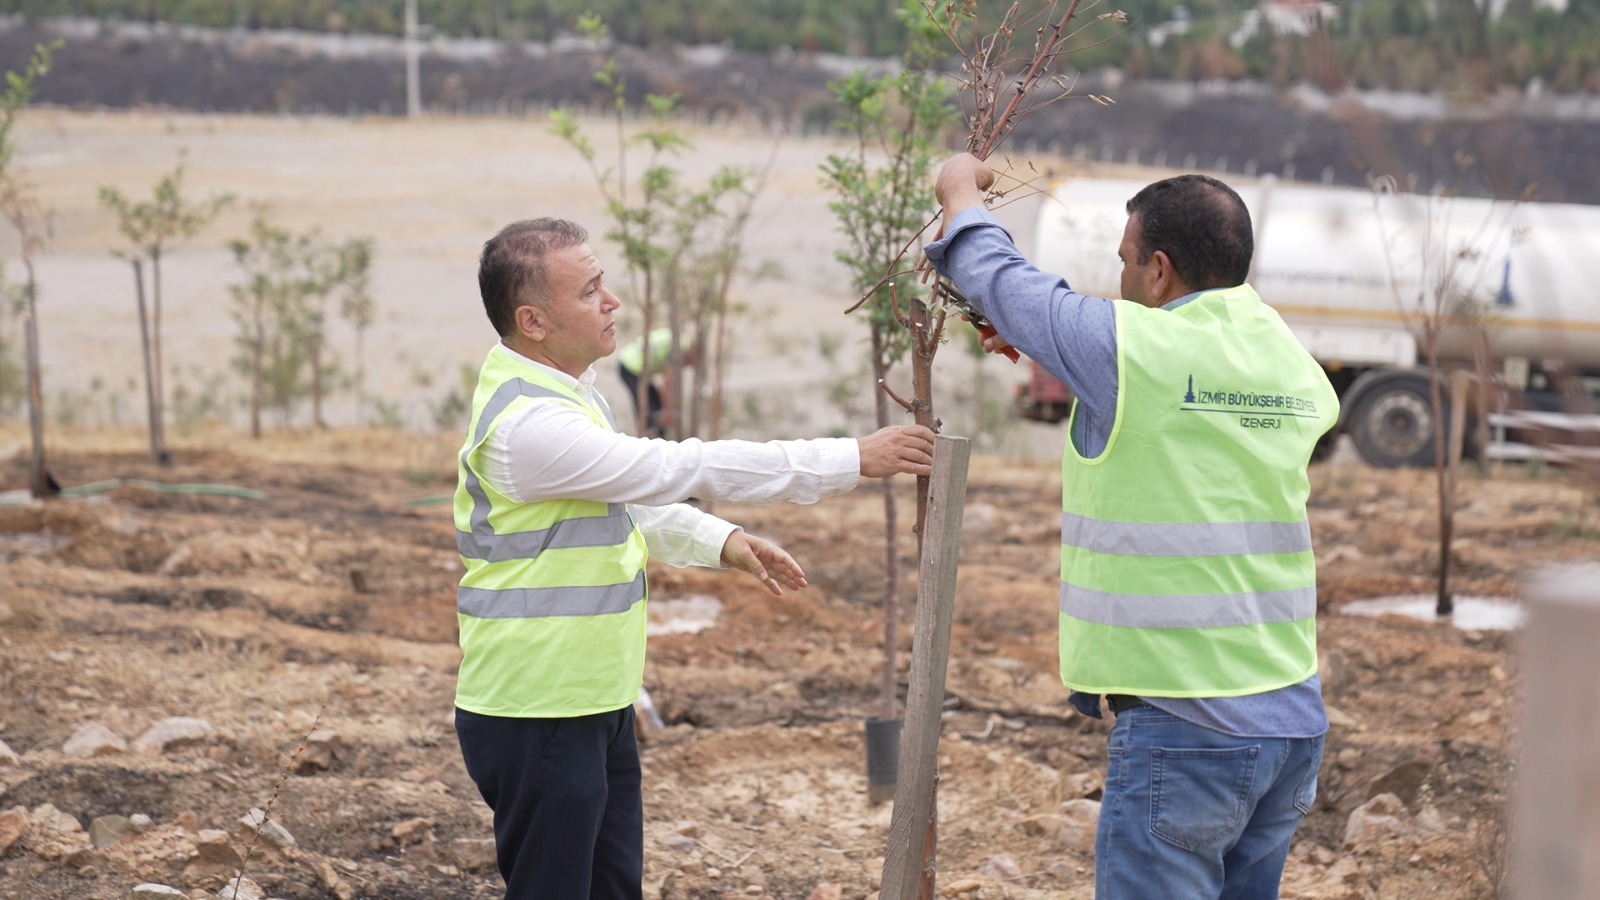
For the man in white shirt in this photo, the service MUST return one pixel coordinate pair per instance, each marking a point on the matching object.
(556, 513)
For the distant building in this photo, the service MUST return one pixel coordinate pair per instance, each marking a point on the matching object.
(1284, 18)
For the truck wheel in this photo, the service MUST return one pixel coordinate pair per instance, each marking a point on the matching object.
(1392, 424)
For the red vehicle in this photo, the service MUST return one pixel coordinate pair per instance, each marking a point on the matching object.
(1043, 398)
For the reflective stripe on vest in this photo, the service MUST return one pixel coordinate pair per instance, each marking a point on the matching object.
(1185, 539)
(1186, 563)
(1193, 611)
(533, 603)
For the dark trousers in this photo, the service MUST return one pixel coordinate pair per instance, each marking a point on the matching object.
(568, 810)
(652, 419)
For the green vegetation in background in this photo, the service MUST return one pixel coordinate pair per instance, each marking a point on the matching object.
(682, 245)
(150, 228)
(1394, 44)
(281, 311)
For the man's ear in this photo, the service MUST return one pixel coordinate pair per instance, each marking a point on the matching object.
(530, 322)
(1163, 279)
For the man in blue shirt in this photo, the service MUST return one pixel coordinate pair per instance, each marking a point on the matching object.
(1252, 760)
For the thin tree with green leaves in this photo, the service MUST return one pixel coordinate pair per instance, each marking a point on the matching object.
(340, 270)
(21, 208)
(883, 192)
(270, 258)
(281, 309)
(681, 246)
(152, 227)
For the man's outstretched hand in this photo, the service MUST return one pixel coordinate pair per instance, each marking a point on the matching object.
(768, 562)
(897, 449)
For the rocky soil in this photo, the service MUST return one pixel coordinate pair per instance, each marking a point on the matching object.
(180, 664)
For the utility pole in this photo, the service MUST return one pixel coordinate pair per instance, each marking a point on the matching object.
(413, 86)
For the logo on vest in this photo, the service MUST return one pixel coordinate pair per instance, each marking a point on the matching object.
(1255, 409)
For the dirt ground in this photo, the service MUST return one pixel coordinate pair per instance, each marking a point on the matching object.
(325, 603)
(319, 610)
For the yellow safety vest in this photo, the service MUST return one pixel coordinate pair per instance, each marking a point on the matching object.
(1186, 563)
(659, 345)
(551, 609)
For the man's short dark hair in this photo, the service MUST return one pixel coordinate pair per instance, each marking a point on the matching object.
(512, 271)
(1202, 226)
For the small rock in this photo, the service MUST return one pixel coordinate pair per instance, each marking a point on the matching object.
(1001, 868)
(687, 829)
(1349, 758)
(827, 890)
(1082, 818)
(215, 848)
(323, 750)
(152, 891)
(84, 859)
(173, 731)
(241, 888)
(473, 854)
(93, 740)
(105, 830)
(1047, 825)
(411, 831)
(678, 842)
(1403, 781)
(8, 757)
(1376, 821)
(334, 883)
(141, 822)
(256, 820)
(46, 817)
(13, 825)
(961, 886)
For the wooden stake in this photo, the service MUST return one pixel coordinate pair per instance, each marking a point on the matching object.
(908, 864)
(1556, 819)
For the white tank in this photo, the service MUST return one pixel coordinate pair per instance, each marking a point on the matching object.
(1354, 271)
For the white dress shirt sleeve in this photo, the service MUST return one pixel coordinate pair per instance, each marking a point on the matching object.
(549, 450)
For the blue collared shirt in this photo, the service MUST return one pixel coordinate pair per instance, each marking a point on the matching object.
(1074, 337)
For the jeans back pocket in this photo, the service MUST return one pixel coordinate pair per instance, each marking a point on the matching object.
(1198, 797)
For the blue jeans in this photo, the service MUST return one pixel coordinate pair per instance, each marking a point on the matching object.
(1192, 813)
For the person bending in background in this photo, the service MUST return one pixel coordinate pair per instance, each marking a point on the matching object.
(1188, 586)
(556, 514)
(656, 348)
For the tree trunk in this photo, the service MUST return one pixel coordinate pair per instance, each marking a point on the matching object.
(361, 382)
(158, 416)
(924, 343)
(316, 383)
(41, 484)
(257, 351)
(1445, 604)
(891, 529)
(641, 393)
(153, 408)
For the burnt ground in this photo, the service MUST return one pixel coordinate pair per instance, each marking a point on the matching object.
(328, 604)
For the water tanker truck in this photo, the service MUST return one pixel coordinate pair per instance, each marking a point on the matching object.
(1362, 277)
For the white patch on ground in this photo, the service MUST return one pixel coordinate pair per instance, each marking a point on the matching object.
(683, 615)
(1471, 613)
